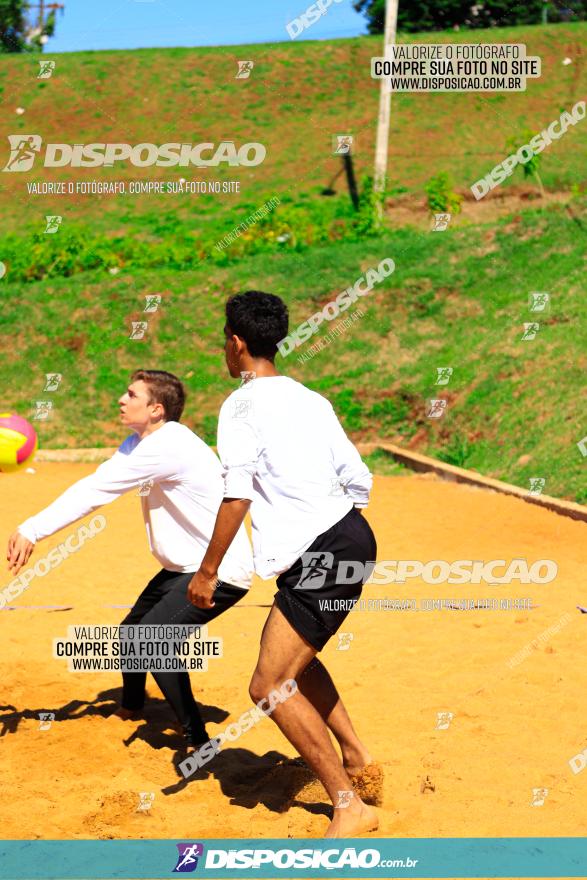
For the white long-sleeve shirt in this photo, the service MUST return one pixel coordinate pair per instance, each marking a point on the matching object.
(283, 448)
(181, 487)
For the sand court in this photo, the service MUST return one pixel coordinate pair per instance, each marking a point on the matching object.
(473, 714)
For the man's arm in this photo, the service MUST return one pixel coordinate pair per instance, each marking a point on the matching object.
(354, 474)
(229, 520)
(126, 470)
(238, 450)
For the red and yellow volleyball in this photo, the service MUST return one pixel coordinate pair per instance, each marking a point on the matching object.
(18, 442)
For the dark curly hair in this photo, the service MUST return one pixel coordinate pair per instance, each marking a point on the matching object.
(261, 319)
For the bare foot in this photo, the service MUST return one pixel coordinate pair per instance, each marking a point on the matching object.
(125, 714)
(353, 820)
(367, 783)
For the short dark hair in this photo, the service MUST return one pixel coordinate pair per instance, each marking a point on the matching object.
(261, 319)
(164, 388)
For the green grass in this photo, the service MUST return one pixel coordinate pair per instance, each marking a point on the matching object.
(325, 85)
(452, 301)
(457, 299)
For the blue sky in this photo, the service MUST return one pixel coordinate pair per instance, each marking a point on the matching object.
(132, 24)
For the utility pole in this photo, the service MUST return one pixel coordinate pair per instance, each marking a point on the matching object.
(42, 5)
(544, 11)
(391, 7)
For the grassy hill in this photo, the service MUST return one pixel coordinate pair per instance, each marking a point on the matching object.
(297, 97)
(457, 298)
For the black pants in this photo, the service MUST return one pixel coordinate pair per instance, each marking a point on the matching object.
(164, 600)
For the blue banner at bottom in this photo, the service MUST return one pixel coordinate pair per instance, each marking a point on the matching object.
(365, 858)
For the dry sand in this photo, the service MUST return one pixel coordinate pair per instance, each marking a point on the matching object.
(513, 730)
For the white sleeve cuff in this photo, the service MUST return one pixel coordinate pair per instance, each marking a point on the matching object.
(28, 531)
(238, 482)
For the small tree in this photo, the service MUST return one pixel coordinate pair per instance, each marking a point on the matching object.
(16, 32)
(13, 26)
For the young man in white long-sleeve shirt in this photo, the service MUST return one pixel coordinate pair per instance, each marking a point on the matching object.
(287, 458)
(182, 489)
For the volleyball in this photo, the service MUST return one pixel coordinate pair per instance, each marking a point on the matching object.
(18, 442)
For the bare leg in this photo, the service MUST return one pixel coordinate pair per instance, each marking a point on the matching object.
(317, 686)
(283, 655)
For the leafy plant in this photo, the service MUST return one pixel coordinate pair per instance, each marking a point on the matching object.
(441, 196)
(531, 166)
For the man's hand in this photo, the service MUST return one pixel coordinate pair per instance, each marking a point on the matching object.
(19, 552)
(201, 589)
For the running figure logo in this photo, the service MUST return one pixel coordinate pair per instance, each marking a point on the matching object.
(23, 151)
(531, 328)
(537, 484)
(539, 302)
(441, 222)
(53, 381)
(187, 861)
(315, 568)
(46, 71)
(152, 302)
(443, 375)
(53, 223)
(139, 328)
(45, 720)
(244, 69)
(539, 795)
(343, 144)
(437, 408)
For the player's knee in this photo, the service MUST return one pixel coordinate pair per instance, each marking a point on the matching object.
(258, 688)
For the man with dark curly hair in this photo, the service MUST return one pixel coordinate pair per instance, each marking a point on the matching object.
(287, 459)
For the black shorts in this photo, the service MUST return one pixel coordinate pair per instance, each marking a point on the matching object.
(322, 586)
